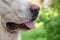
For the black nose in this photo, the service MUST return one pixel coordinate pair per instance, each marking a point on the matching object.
(35, 10)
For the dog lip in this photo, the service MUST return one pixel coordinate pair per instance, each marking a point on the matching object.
(10, 25)
(14, 26)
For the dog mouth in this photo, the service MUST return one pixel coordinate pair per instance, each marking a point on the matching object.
(26, 26)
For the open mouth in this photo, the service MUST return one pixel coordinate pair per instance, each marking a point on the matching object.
(26, 26)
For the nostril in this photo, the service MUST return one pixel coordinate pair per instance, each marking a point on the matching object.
(34, 8)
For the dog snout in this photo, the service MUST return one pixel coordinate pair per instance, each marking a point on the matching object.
(35, 11)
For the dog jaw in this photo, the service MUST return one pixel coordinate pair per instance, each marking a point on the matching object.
(17, 11)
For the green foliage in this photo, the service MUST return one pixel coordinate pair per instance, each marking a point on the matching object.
(50, 30)
(36, 34)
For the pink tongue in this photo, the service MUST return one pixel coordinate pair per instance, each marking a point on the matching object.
(30, 24)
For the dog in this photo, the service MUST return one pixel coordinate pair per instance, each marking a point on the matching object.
(16, 16)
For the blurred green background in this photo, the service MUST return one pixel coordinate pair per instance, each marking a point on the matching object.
(47, 24)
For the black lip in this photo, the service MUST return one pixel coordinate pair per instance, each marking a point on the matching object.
(23, 26)
(11, 26)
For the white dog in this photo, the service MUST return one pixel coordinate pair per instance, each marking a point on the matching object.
(16, 15)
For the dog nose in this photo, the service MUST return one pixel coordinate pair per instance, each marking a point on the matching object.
(34, 8)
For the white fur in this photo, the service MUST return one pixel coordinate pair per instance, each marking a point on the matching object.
(13, 11)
